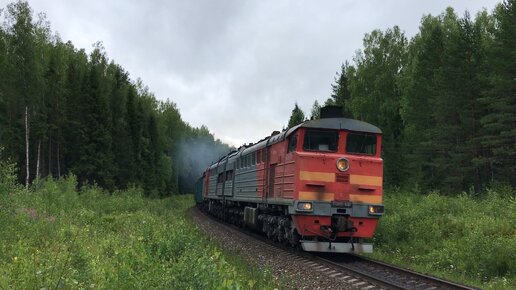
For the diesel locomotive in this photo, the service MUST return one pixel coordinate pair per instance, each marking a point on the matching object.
(317, 185)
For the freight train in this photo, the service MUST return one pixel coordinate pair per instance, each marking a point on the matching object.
(317, 185)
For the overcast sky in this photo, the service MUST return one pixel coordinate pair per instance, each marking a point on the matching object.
(236, 66)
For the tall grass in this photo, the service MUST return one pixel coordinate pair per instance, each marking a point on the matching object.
(468, 238)
(54, 237)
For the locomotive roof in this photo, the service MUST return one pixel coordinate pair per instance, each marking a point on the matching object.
(338, 124)
(325, 123)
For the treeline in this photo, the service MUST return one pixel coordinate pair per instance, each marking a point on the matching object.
(65, 111)
(445, 99)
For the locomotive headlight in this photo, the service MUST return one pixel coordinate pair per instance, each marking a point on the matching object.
(376, 209)
(304, 206)
(342, 164)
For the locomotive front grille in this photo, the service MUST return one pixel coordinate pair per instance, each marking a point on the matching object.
(342, 177)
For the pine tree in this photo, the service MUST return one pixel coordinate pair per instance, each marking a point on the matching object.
(340, 90)
(297, 117)
(418, 88)
(74, 137)
(122, 146)
(96, 160)
(56, 92)
(471, 83)
(172, 130)
(499, 124)
(134, 120)
(316, 111)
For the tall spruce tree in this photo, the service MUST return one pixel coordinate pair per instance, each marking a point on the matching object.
(499, 123)
(75, 91)
(418, 82)
(55, 78)
(340, 90)
(122, 145)
(96, 160)
(297, 117)
(172, 130)
(316, 111)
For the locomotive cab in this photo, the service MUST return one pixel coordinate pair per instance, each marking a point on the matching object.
(338, 184)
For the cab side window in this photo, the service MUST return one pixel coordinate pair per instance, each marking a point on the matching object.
(292, 143)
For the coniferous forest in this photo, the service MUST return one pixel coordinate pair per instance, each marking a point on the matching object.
(445, 99)
(65, 111)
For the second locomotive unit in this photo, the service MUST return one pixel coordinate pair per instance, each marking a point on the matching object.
(317, 185)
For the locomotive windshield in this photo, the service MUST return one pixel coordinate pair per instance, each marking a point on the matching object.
(321, 140)
(361, 143)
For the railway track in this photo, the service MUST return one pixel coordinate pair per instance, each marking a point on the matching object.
(357, 271)
(388, 276)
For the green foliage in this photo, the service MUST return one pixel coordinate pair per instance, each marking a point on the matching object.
(341, 95)
(418, 87)
(465, 238)
(498, 124)
(316, 111)
(297, 117)
(8, 182)
(375, 92)
(56, 237)
(443, 72)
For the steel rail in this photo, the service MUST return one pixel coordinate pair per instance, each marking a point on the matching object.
(387, 275)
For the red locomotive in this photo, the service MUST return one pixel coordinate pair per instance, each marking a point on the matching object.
(318, 184)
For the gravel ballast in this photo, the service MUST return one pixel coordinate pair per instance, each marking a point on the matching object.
(293, 271)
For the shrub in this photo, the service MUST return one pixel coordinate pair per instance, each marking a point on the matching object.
(54, 237)
(464, 237)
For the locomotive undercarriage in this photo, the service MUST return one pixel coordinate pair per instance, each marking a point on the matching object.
(279, 228)
(274, 222)
(269, 219)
